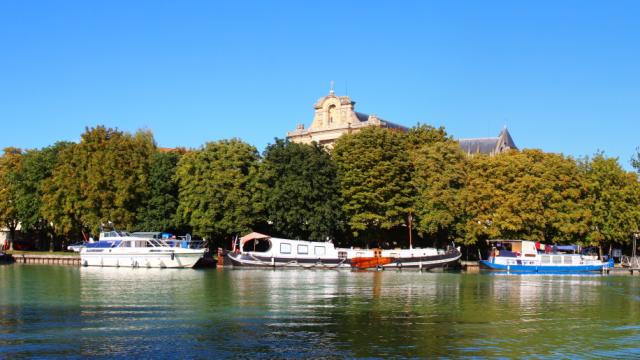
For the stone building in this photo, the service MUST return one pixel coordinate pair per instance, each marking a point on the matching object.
(335, 116)
(490, 146)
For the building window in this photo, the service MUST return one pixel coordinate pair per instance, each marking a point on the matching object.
(331, 113)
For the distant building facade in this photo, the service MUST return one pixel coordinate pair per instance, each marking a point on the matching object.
(335, 116)
(489, 146)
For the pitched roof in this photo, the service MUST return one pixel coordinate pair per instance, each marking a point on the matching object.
(490, 145)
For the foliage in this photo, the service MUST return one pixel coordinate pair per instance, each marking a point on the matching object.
(214, 187)
(438, 178)
(525, 195)
(101, 179)
(299, 191)
(159, 209)
(10, 165)
(374, 178)
(614, 200)
(635, 160)
(37, 166)
(421, 135)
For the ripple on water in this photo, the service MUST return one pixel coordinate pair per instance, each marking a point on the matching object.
(48, 311)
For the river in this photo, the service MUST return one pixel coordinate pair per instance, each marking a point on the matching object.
(71, 312)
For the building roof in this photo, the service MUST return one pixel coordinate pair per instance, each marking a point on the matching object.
(490, 145)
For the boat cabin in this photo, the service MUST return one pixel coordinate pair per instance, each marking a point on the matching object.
(513, 248)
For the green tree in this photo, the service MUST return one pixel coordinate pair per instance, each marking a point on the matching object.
(421, 135)
(439, 175)
(635, 160)
(10, 164)
(103, 178)
(614, 200)
(525, 195)
(374, 178)
(159, 209)
(299, 191)
(37, 166)
(214, 187)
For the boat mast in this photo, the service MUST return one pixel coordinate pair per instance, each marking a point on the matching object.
(410, 238)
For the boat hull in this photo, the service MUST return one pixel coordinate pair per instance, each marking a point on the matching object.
(488, 265)
(447, 260)
(148, 260)
(250, 260)
(444, 261)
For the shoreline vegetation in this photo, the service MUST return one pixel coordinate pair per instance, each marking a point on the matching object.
(369, 190)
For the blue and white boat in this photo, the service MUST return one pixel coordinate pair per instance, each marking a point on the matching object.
(524, 256)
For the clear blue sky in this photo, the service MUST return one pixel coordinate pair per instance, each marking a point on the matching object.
(564, 76)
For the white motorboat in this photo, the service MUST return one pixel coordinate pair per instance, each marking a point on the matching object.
(122, 249)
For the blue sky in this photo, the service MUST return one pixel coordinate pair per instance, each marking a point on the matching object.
(564, 76)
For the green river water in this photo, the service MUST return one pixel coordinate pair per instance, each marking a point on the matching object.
(71, 312)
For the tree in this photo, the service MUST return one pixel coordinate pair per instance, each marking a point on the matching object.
(159, 209)
(215, 196)
(421, 135)
(374, 178)
(101, 179)
(299, 191)
(525, 195)
(614, 200)
(10, 164)
(635, 160)
(439, 175)
(37, 166)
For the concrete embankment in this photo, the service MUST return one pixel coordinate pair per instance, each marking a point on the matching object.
(72, 259)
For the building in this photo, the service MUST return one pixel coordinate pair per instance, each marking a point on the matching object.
(335, 116)
(490, 146)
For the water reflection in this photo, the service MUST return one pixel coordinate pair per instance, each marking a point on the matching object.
(66, 311)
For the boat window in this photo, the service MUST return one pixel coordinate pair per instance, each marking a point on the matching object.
(285, 248)
(303, 249)
(545, 259)
(557, 259)
(257, 245)
(342, 255)
(319, 250)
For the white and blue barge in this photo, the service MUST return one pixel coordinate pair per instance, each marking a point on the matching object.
(525, 256)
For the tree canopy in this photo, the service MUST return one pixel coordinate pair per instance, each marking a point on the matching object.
(374, 178)
(614, 200)
(160, 206)
(103, 178)
(299, 191)
(214, 187)
(10, 166)
(525, 195)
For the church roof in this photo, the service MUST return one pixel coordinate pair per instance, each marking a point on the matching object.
(489, 145)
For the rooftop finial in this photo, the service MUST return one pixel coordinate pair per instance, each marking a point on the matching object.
(331, 92)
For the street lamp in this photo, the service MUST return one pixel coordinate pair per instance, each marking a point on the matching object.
(636, 235)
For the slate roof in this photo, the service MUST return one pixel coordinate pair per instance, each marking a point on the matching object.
(489, 146)
(362, 117)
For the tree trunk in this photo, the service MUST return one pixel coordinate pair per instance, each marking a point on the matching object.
(12, 234)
